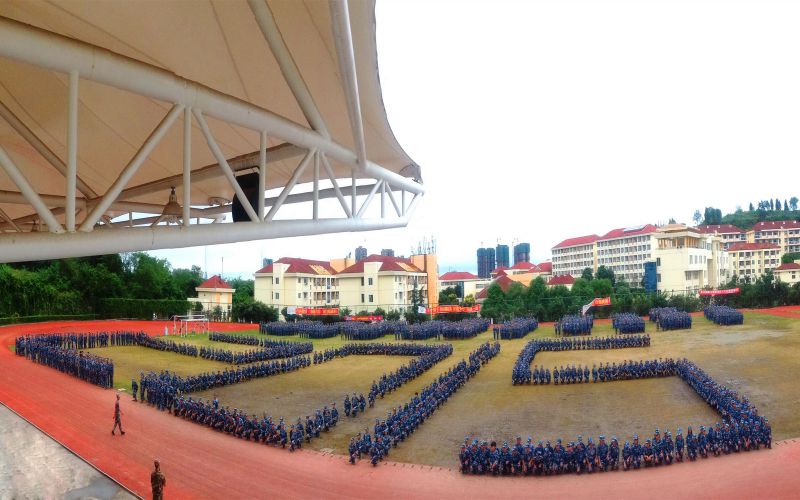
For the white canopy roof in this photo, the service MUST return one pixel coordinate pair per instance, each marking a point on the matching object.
(215, 43)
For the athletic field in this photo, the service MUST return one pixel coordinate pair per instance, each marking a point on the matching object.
(758, 359)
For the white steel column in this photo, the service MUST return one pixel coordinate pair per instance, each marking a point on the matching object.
(129, 171)
(59, 246)
(353, 194)
(343, 36)
(383, 200)
(187, 167)
(369, 198)
(41, 148)
(269, 28)
(72, 149)
(336, 190)
(288, 188)
(29, 193)
(394, 202)
(223, 164)
(315, 190)
(262, 174)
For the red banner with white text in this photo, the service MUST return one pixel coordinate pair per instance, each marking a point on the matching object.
(712, 293)
(454, 309)
(317, 311)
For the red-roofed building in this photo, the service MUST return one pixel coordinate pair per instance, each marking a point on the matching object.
(503, 281)
(784, 233)
(291, 281)
(788, 273)
(545, 267)
(469, 283)
(625, 251)
(382, 281)
(573, 255)
(497, 271)
(563, 280)
(213, 293)
(728, 233)
(751, 260)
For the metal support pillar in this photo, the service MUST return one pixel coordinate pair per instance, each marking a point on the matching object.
(72, 150)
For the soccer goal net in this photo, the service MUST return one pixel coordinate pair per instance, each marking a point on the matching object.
(192, 323)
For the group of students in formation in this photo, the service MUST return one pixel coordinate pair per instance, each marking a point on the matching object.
(514, 329)
(522, 373)
(402, 421)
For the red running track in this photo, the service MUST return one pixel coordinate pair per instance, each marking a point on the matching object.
(201, 463)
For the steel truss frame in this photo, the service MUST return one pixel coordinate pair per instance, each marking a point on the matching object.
(96, 233)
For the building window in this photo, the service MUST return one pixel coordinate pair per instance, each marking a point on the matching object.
(369, 282)
(298, 295)
(362, 296)
(362, 283)
(277, 281)
(370, 298)
(277, 295)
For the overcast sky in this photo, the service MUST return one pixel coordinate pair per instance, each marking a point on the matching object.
(539, 121)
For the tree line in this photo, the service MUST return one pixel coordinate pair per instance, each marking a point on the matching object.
(551, 303)
(131, 285)
(764, 210)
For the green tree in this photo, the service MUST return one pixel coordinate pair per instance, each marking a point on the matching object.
(587, 274)
(604, 273)
(697, 217)
(788, 258)
(751, 206)
(793, 202)
(448, 296)
(495, 304)
(535, 298)
(185, 281)
(777, 204)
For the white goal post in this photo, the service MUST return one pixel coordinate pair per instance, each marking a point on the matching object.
(190, 323)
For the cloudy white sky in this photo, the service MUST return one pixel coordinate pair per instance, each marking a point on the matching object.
(539, 121)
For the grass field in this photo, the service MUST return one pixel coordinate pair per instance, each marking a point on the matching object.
(758, 359)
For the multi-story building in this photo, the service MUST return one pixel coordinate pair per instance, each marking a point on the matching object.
(573, 255)
(375, 281)
(751, 260)
(387, 252)
(688, 260)
(467, 282)
(213, 293)
(501, 256)
(625, 250)
(297, 282)
(728, 233)
(486, 262)
(361, 254)
(522, 253)
(788, 273)
(785, 234)
(381, 281)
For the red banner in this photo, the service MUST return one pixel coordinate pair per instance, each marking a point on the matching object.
(602, 301)
(364, 318)
(454, 309)
(730, 291)
(314, 311)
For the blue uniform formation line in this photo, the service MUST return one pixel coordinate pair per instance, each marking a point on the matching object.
(515, 329)
(743, 429)
(61, 353)
(402, 421)
(572, 324)
(625, 323)
(670, 318)
(522, 373)
(162, 389)
(724, 315)
(277, 351)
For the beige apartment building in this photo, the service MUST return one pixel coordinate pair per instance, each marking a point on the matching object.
(688, 260)
(788, 273)
(728, 234)
(785, 234)
(292, 281)
(751, 260)
(381, 281)
(573, 255)
(625, 250)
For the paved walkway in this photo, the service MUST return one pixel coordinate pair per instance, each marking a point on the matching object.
(201, 463)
